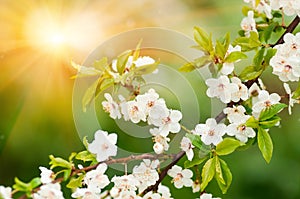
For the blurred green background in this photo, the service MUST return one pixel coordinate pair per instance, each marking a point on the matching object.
(39, 38)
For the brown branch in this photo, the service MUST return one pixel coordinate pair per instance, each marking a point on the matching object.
(289, 29)
(113, 161)
(163, 174)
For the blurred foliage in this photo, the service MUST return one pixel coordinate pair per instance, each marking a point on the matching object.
(36, 94)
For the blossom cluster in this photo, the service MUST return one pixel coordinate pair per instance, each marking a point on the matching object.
(150, 108)
(289, 8)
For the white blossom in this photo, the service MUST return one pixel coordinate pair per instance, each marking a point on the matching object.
(210, 132)
(235, 114)
(5, 192)
(228, 67)
(85, 193)
(265, 100)
(124, 183)
(142, 61)
(248, 23)
(49, 191)
(134, 111)
(242, 93)
(187, 147)
(160, 142)
(262, 6)
(207, 196)
(164, 191)
(96, 179)
(196, 187)
(146, 173)
(221, 88)
(286, 68)
(181, 177)
(104, 145)
(149, 99)
(46, 175)
(111, 107)
(240, 130)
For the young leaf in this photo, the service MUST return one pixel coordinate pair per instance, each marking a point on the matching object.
(75, 182)
(234, 56)
(270, 53)
(269, 112)
(122, 60)
(89, 94)
(35, 182)
(249, 73)
(146, 69)
(86, 156)
(188, 67)
(258, 58)
(227, 176)
(227, 146)
(203, 39)
(265, 144)
(202, 61)
(296, 94)
(220, 49)
(252, 122)
(195, 161)
(268, 31)
(136, 53)
(21, 186)
(219, 173)
(208, 172)
(195, 139)
(59, 162)
(266, 124)
(101, 64)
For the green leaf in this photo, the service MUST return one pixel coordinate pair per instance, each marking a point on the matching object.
(89, 95)
(252, 122)
(195, 161)
(234, 56)
(35, 182)
(224, 182)
(250, 73)
(67, 174)
(195, 139)
(122, 60)
(187, 67)
(269, 112)
(21, 186)
(270, 53)
(106, 83)
(265, 144)
(266, 124)
(219, 173)
(220, 49)
(75, 182)
(227, 146)
(208, 172)
(146, 69)
(85, 156)
(203, 39)
(258, 58)
(136, 53)
(59, 162)
(248, 43)
(296, 94)
(202, 61)
(268, 31)
(101, 64)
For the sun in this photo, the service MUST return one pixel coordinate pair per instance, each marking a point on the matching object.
(57, 38)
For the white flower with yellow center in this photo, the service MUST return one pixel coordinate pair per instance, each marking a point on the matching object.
(181, 177)
(104, 145)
